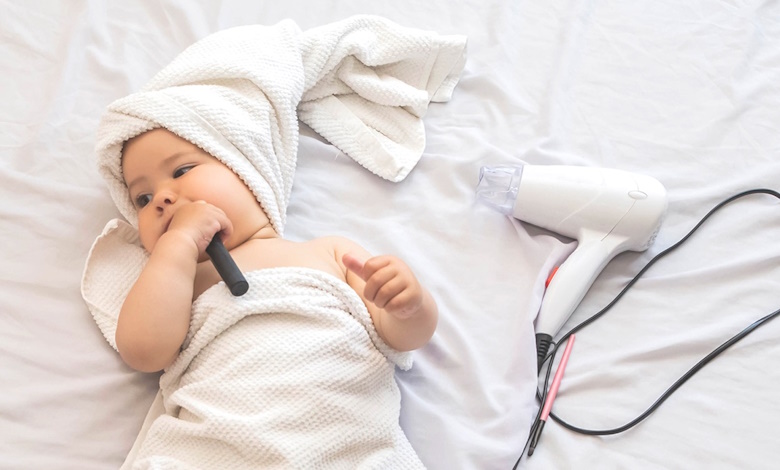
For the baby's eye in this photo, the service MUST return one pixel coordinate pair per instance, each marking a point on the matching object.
(181, 170)
(142, 200)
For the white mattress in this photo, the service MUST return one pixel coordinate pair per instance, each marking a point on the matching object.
(685, 92)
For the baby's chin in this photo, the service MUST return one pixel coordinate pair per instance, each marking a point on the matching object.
(148, 248)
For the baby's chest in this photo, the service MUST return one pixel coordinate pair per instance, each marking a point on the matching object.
(282, 255)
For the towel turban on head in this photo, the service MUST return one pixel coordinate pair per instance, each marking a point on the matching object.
(363, 83)
(212, 95)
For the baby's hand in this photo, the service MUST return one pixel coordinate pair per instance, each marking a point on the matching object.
(390, 284)
(200, 221)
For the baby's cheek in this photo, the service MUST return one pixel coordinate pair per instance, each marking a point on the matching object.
(148, 239)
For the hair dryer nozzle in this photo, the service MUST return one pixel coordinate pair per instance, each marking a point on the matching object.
(498, 185)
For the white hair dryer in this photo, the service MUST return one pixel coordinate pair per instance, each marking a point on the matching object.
(607, 211)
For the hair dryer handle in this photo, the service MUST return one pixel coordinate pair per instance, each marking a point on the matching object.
(572, 280)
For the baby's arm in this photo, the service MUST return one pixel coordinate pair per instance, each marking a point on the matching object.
(155, 316)
(403, 312)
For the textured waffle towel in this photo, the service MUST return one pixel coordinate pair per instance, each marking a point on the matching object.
(291, 376)
(363, 84)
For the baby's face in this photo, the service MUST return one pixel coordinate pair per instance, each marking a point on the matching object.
(164, 172)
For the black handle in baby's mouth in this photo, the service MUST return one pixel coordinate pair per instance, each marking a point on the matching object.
(226, 267)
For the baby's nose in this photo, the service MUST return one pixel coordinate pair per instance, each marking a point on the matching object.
(162, 200)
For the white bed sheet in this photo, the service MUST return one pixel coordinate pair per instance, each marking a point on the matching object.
(687, 92)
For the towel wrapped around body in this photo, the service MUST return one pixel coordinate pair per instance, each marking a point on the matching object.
(291, 375)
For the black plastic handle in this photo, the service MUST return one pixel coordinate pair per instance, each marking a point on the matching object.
(226, 267)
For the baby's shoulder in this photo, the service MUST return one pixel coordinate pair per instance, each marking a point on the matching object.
(335, 242)
(323, 253)
(337, 246)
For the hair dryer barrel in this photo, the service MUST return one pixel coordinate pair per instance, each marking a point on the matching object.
(571, 200)
(608, 211)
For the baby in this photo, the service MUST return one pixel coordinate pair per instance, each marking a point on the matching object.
(184, 197)
(299, 372)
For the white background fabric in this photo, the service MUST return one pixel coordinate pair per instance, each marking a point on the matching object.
(685, 92)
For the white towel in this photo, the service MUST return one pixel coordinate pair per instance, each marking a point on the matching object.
(291, 375)
(363, 83)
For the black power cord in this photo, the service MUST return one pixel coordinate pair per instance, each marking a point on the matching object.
(541, 395)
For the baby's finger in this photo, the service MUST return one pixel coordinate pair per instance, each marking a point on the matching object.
(354, 264)
(404, 304)
(376, 281)
(389, 291)
(372, 265)
(225, 226)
